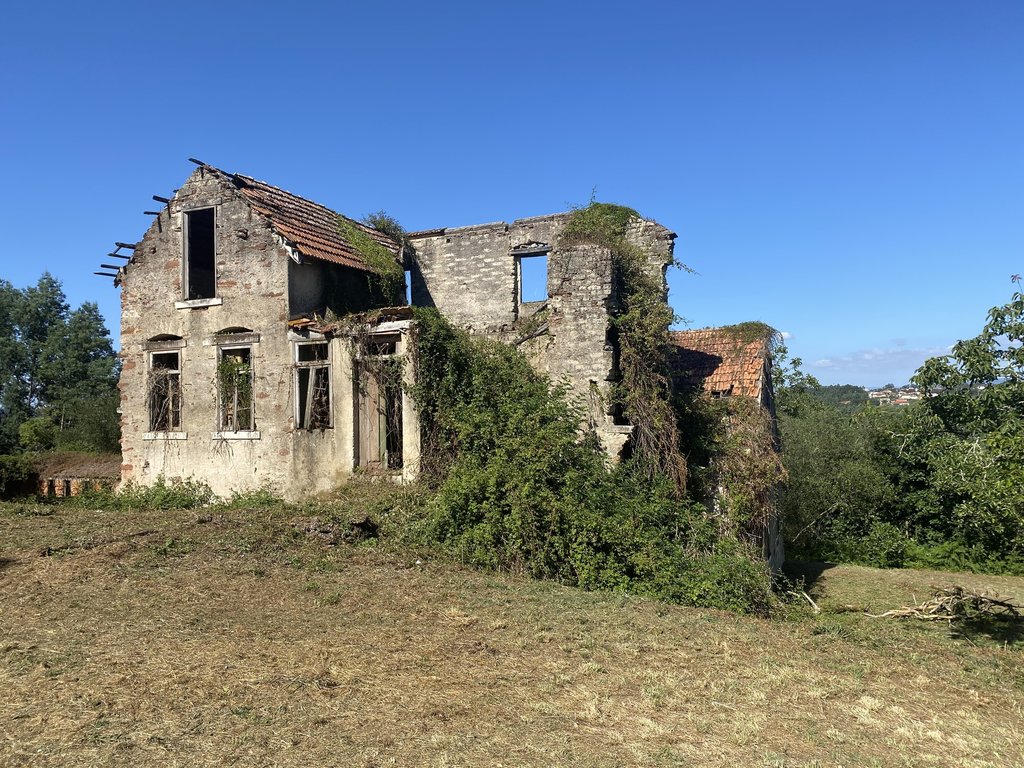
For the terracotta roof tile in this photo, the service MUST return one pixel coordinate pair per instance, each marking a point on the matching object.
(312, 229)
(719, 361)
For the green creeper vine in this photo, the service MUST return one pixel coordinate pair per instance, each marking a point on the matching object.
(644, 391)
(384, 265)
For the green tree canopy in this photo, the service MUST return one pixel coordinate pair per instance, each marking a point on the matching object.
(55, 364)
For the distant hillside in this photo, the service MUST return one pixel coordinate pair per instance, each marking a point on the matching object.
(848, 398)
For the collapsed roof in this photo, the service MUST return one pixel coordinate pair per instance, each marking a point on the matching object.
(726, 361)
(313, 230)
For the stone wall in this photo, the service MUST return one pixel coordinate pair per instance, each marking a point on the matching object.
(471, 275)
(253, 266)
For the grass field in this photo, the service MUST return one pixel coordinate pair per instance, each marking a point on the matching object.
(227, 638)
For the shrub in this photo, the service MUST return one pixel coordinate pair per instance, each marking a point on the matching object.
(17, 477)
(519, 489)
(37, 434)
(189, 494)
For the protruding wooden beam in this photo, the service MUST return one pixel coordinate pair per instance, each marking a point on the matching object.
(159, 199)
(119, 256)
(152, 213)
(110, 266)
(129, 246)
(197, 162)
(105, 274)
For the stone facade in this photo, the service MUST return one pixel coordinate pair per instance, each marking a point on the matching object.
(233, 281)
(261, 282)
(473, 276)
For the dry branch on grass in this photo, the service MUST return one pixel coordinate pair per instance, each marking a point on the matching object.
(955, 603)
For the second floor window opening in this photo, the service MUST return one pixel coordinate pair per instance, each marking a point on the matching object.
(200, 254)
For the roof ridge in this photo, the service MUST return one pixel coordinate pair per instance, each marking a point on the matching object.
(311, 228)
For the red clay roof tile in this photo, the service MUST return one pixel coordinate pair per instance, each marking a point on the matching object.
(720, 361)
(312, 229)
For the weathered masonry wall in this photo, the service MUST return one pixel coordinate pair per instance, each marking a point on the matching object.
(251, 309)
(471, 275)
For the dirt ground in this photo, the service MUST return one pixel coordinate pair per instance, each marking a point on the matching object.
(225, 637)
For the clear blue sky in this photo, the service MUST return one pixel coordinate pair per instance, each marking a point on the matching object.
(850, 171)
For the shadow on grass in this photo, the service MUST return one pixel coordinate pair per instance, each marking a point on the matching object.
(6, 562)
(1003, 630)
(806, 571)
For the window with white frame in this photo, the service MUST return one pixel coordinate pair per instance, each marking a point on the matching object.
(312, 385)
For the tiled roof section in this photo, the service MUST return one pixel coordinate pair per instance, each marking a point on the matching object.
(720, 361)
(312, 229)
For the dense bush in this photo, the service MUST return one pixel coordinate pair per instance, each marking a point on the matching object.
(519, 489)
(17, 477)
(937, 484)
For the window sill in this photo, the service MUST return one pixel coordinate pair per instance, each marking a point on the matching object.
(165, 436)
(242, 434)
(196, 303)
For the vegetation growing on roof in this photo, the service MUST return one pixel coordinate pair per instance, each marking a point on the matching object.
(643, 394)
(386, 268)
(384, 222)
(753, 330)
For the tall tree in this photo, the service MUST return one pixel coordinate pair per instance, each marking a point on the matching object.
(56, 366)
(13, 391)
(41, 313)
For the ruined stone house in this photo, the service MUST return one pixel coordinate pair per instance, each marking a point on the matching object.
(736, 362)
(234, 372)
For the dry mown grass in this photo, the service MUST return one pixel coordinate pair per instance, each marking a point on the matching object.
(234, 642)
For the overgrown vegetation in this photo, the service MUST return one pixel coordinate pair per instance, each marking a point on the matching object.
(644, 391)
(388, 276)
(518, 489)
(234, 390)
(16, 476)
(939, 483)
(732, 449)
(188, 494)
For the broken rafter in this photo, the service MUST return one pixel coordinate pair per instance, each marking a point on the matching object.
(198, 162)
(164, 200)
(110, 266)
(152, 213)
(119, 256)
(105, 274)
(129, 246)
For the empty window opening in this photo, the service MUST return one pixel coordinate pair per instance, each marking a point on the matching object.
(533, 277)
(164, 392)
(312, 386)
(200, 255)
(379, 405)
(51, 487)
(235, 389)
(67, 487)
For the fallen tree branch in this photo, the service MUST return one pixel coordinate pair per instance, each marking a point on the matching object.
(955, 603)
